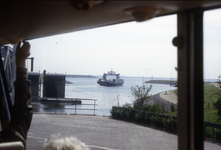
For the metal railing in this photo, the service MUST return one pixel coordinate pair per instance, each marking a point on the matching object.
(67, 102)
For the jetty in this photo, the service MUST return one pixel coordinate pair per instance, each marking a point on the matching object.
(168, 82)
(50, 89)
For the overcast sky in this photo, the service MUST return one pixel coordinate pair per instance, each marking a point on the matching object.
(131, 49)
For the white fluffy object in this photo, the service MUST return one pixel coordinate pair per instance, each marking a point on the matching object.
(56, 142)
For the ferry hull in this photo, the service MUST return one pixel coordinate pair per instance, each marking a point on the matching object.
(109, 83)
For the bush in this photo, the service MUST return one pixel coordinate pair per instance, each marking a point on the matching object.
(127, 105)
(144, 117)
(153, 120)
(218, 135)
(175, 91)
(128, 115)
(147, 119)
(117, 113)
(210, 132)
(140, 118)
(213, 133)
(155, 108)
(172, 107)
(122, 114)
(217, 105)
(159, 122)
(140, 95)
(163, 106)
(173, 124)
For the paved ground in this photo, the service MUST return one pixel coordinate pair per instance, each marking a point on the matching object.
(102, 133)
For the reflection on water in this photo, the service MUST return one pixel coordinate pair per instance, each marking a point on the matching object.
(107, 96)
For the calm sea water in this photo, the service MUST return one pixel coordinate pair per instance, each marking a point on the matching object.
(106, 97)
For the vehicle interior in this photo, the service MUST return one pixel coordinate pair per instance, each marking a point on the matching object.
(36, 19)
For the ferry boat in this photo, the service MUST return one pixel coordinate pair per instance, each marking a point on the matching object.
(110, 79)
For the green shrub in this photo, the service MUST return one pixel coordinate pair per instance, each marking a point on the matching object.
(210, 132)
(159, 122)
(167, 124)
(175, 91)
(156, 108)
(213, 133)
(172, 107)
(218, 135)
(173, 124)
(127, 105)
(164, 123)
(128, 115)
(217, 105)
(140, 118)
(117, 113)
(147, 119)
(153, 120)
(140, 95)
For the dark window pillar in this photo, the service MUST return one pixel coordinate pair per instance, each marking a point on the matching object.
(190, 80)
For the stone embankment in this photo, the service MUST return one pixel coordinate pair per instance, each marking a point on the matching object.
(169, 96)
(165, 99)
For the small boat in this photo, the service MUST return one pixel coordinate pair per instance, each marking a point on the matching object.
(105, 81)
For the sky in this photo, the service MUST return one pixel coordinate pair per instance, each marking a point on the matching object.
(132, 49)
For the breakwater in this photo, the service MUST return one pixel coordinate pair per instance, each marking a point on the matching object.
(171, 83)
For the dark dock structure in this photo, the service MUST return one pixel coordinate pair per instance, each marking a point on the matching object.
(49, 89)
(54, 86)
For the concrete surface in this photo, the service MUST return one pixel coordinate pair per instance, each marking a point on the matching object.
(102, 133)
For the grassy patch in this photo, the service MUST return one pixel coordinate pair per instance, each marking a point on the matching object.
(211, 92)
(171, 113)
(175, 91)
(210, 115)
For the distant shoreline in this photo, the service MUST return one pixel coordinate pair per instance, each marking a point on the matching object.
(80, 76)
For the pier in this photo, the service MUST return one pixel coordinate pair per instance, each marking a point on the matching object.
(168, 82)
(53, 92)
